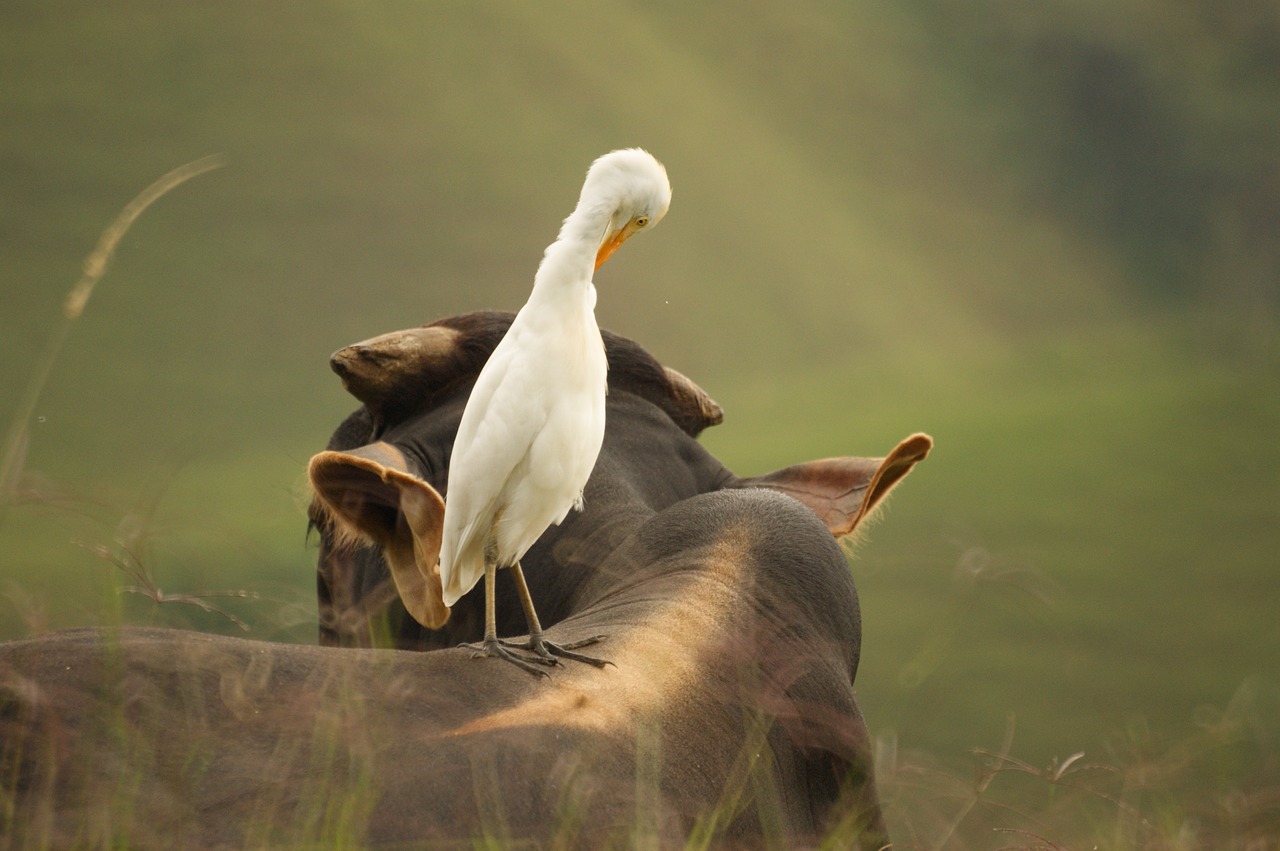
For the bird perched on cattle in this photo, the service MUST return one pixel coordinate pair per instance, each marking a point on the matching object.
(534, 422)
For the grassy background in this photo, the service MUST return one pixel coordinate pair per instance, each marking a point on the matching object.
(1044, 234)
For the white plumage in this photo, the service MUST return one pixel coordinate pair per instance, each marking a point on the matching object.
(534, 423)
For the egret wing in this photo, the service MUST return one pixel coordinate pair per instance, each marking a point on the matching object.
(493, 442)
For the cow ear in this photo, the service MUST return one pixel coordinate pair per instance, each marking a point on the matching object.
(845, 491)
(372, 496)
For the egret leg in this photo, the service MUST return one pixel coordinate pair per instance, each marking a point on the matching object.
(546, 650)
(491, 646)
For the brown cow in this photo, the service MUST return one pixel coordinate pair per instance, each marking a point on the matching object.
(729, 713)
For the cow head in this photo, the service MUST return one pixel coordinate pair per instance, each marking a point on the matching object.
(379, 487)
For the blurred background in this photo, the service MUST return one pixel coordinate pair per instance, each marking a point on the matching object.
(1047, 234)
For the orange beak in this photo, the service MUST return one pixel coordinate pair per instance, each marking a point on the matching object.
(611, 244)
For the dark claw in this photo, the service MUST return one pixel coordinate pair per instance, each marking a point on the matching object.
(547, 651)
(493, 647)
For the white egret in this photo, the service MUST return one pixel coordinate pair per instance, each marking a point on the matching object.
(534, 423)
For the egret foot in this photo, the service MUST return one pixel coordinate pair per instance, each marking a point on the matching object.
(494, 647)
(547, 652)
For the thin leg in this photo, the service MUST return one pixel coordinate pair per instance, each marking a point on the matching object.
(491, 646)
(537, 640)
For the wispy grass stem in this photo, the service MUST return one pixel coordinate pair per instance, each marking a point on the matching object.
(18, 437)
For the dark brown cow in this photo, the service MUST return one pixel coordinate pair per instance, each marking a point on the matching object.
(729, 713)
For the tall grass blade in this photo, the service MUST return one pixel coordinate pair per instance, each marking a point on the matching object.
(18, 437)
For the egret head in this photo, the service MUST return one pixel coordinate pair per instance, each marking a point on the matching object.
(633, 187)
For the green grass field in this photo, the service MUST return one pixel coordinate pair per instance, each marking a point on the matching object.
(1046, 239)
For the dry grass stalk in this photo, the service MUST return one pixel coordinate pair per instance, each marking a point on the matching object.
(18, 437)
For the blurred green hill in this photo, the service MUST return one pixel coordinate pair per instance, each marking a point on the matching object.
(1046, 234)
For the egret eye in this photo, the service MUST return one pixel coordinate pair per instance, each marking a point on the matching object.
(641, 221)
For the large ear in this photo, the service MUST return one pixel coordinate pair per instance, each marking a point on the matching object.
(372, 495)
(844, 491)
